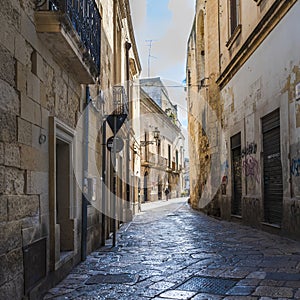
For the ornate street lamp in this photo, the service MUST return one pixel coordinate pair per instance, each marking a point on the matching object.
(156, 134)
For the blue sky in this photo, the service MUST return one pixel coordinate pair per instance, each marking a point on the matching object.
(168, 24)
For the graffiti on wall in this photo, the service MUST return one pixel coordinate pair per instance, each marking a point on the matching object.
(224, 169)
(252, 202)
(251, 167)
(249, 149)
(295, 167)
(295, 209)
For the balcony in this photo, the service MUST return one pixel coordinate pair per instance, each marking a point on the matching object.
(155, 161)
(162, 162)
(71, 31)
(120, 101)
(173, 168)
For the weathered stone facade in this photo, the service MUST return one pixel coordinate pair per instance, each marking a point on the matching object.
(44, 77)
(162, 160)
(205, 110)
(251, 69)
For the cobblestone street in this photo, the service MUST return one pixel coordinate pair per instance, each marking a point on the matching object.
(172, 252)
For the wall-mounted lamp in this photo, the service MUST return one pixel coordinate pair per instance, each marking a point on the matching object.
(156, 134)
(42, 139)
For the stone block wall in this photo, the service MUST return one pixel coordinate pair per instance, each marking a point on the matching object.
(33, 86)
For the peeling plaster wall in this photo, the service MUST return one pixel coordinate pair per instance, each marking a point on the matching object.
(265, 82)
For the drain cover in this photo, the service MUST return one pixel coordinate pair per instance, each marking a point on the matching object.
(208, 285)
(172, 215)
(111, 278)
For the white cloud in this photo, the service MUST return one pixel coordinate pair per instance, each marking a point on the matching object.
(170, 35)
(138, 12)
(172, 46)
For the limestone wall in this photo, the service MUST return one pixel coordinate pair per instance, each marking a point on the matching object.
(205, 108)
(265, 82)
(255, 72)
(33, 86)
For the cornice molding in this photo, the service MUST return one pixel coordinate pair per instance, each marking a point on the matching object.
(272, 17)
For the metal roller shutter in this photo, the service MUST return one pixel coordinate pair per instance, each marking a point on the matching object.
(273, 189)
(236, 154)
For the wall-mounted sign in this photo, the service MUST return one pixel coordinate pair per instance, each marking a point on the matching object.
(115, 144)
(115, 122)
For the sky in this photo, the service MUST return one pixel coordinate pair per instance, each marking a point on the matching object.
(168, 24)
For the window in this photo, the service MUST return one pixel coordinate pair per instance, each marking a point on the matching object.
(169, 156)
(234, 15)
(158, 147)
(189, 78)
(200, 49)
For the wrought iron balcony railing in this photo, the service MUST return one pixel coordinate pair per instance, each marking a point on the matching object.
(162, 161)
(120, 101)
(156, 160)
(84, 17)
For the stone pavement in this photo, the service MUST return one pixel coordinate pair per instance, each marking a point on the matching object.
(172, 252)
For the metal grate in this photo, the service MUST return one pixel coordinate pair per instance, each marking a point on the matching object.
(111, 278)
(236, 154)
(120, 100)
(210, 285)
(34, 263)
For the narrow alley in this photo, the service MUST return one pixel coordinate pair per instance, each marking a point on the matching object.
(170, 251)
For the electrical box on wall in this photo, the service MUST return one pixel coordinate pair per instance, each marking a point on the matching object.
(92, 187)
(297, 91)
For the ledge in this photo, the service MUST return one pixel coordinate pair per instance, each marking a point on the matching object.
(234, 36)
(65, 45)
(272, 17)
(237, 217)
(275, 226)
(65, 257)
(258, 2)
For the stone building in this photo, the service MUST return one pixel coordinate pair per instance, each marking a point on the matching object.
(186, 176)
(59, 65)
(243, 98)
(161, 143)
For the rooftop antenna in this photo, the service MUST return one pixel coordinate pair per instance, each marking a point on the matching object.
(149, 53)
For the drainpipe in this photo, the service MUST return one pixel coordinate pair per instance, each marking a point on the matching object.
(114, 186)
(127, 48)
(219, 37)
(85, 172)
(289, 148)
(103, 221)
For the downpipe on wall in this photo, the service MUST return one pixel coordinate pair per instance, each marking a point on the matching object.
(127, 48)
(84, 175)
